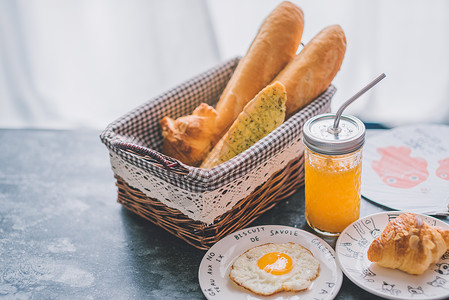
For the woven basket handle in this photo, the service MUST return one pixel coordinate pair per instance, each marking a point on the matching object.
(153, 157)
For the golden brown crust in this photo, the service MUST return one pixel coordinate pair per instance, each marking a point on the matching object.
(273, 47)
(311, 72)
(188, 138)
(409, 244)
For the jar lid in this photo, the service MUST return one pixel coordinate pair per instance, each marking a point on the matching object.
(319, 136)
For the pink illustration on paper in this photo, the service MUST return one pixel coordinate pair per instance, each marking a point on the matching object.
(398, 169)
(443, 169)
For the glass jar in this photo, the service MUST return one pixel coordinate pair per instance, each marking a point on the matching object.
(333, 168)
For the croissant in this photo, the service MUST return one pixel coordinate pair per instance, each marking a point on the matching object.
(189, 138)
(409, 244)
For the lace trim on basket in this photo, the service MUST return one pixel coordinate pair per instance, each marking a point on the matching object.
(206, 206)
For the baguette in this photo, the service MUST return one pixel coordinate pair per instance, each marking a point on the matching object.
(274, 46)
(311, 72)
(259, 117)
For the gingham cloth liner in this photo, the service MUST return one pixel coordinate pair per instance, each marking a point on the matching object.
(142, 123)
(141, 126)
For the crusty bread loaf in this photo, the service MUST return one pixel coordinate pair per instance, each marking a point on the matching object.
(259, 117)
(273, 47)
(311, 72)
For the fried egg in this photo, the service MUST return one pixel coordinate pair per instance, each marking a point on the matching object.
(272, 268)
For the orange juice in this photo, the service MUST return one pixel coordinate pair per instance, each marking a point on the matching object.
(332, 191)
(333, 168)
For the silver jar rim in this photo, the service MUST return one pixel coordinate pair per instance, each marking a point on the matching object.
(319, 138)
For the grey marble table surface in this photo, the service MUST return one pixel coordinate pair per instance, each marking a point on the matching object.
(64, 236)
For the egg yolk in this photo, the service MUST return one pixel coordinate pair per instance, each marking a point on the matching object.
(275, 263)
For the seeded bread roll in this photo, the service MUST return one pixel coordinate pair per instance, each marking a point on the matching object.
(311, 72)
(274, 46)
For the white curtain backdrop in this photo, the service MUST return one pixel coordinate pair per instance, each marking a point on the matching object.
(83, 63)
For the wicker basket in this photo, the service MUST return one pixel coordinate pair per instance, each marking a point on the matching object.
(202, 206)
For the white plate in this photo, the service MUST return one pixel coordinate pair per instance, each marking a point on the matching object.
(214, 268)
(352, 246)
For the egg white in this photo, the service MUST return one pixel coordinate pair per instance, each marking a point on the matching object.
(246, 273)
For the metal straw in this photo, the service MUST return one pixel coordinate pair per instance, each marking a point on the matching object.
(335, 128)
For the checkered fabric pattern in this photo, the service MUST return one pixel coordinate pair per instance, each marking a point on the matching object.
(141, 127)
